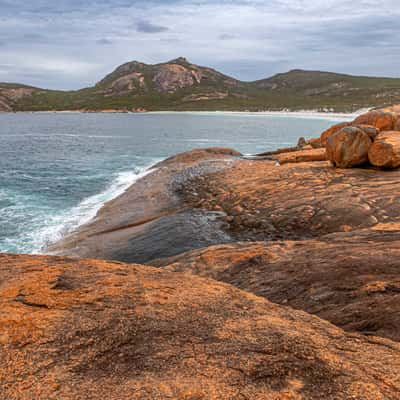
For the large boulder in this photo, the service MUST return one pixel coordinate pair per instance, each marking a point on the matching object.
(348, 147)
(385, 151)
(380, 119)
(331, 131)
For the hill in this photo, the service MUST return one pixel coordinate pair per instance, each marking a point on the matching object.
(181, 85)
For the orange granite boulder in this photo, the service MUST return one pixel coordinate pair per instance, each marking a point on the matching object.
(332, 130)
(348, 147)
(385, 151)
(380, 119)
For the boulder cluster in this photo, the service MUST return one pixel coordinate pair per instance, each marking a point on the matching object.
(372, 138)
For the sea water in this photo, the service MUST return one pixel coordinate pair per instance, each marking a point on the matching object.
(58, 169)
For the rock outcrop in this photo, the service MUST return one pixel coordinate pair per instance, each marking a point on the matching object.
(350, 279)
(10, 94)
(97, 330)
(165, 78)
(4, 105)
(150, 220)
(202, 198)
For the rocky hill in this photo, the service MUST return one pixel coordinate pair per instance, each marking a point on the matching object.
(12, 94)
(163, 78)
(181, 85)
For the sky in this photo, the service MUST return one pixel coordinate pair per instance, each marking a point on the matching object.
(69, 44)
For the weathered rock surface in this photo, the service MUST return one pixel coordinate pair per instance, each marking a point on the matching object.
(12, 93)
(4, 105)
(150, 220)
(351, 280)
(385, 151)
(348, 148)
(370, 130)
(231, 199)
(171, 77)
(297, 201)
(96, 330)
(139, 78)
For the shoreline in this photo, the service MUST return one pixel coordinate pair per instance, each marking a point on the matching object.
(73, 219)
(299, 114)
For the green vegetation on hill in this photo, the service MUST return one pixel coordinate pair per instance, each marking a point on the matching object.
(180, 85)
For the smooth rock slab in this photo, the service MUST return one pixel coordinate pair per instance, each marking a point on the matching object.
(95, 330)
(350, 279)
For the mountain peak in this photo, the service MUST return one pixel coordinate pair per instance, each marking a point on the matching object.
(179, 60)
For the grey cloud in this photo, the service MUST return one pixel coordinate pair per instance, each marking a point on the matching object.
(248, 39)
(32, 35)
(226, 36)
(104, 42)
(148, 27)
(355, 33)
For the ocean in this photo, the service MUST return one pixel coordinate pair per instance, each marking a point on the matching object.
(58, 169)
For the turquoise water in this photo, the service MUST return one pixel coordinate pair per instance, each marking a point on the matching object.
(56, 170)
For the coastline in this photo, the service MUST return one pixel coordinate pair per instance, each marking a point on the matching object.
(278, 278)
(51, 227)
(73, 219)
(204, 192)
(283, 113)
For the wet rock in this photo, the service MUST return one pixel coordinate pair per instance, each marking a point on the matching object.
(301, 142)
(150, 219)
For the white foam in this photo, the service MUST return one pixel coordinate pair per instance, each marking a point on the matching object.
(308, 114)
(56, 227)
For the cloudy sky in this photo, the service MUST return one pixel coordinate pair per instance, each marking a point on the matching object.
(68, 44)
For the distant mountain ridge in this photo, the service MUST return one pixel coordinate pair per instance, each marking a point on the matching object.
(180, 85)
